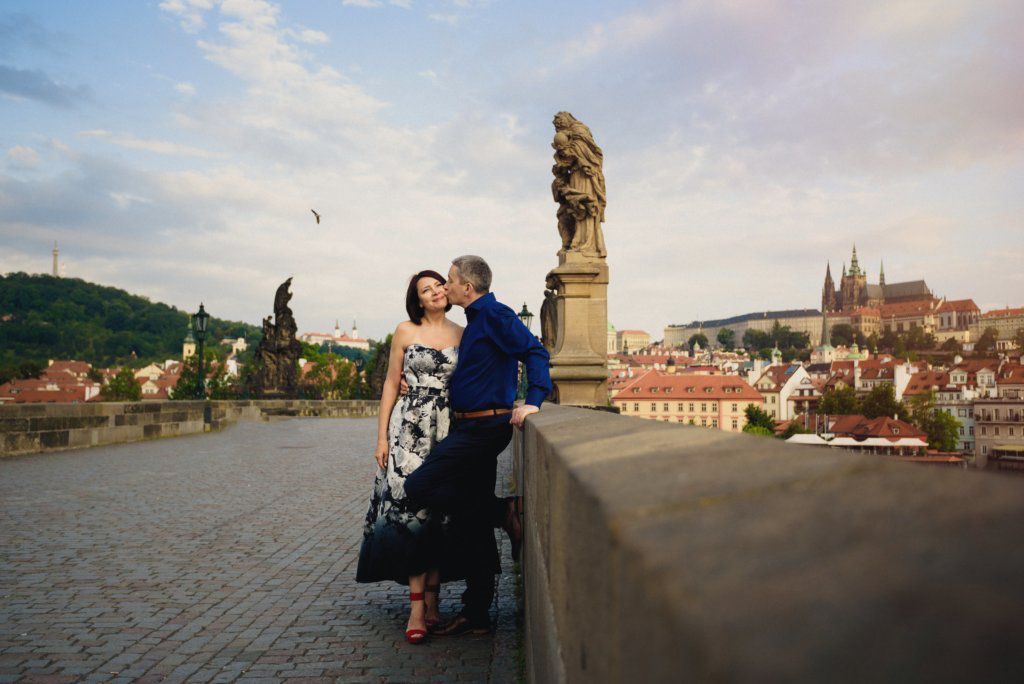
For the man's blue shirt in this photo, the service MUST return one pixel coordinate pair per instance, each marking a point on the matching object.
(487, 372)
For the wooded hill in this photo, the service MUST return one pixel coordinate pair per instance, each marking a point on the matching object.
(42, 317)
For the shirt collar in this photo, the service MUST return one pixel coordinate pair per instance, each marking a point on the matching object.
(476, 307)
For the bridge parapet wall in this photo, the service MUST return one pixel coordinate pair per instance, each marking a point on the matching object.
(658, 552)
(36, 428)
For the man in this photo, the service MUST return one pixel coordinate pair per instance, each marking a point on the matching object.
(459, 473)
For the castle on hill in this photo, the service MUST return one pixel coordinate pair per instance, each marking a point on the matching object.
(856, 292)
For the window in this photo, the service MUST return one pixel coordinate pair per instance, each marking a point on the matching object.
(1010, 431)
(714, 422)
(734, 409)
(654, 407)
(691, 407)
(971, 430)
(984, 430)
(984, 448)
(622, 407)
(961, 412)
(772, 398)
(997, 431)
(664, 407)
(679, 406)
(704, 407)
(714, 406)
(703, 421)
(735, 424)
(961, 432)
(636, 406)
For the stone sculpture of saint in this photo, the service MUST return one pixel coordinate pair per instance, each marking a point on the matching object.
(549, 315)
(578, 187)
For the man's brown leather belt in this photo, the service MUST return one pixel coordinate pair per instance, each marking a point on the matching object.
(481, 414)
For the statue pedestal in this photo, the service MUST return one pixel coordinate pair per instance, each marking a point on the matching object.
(579, 362)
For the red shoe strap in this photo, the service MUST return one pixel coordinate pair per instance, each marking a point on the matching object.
(415, 596)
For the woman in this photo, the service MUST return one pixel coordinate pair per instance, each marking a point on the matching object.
(398, 543)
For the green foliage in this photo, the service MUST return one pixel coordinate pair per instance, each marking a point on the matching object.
(333, 377)
(942, 428)
(122, 387)
(987, 341)
(881, 401)
(758, 417)
(219, 385)
(781, 336)
(1018, 338)
(21, 371)
(842, 334)
(839, 401)
(952, 345)
(727, 338)
(758, 430)
(697, 338)
(69, 318)
(794, 428)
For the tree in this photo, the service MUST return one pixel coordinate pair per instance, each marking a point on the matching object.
(872, 342)
(122, 387)
(987, 341)
(758, 430)
(758, 417)
(794, 428)
(727, 338)
(839, 401)
(942, 428)
(881, 401)
(698, 338)
(952, 345)
(842, 334)
(756, 340)
(1018, 338)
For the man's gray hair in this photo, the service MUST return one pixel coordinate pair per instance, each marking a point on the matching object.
(475, 271)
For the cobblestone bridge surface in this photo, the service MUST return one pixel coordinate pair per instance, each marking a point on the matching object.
(220, 557)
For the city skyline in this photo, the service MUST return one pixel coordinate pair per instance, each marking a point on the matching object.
(180, 159)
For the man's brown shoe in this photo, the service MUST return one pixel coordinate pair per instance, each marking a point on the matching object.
(461, 625)
(513, 525)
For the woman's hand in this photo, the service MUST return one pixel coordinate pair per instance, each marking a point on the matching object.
(381, 454)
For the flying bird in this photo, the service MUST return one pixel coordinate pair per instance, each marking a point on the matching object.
(316, 215)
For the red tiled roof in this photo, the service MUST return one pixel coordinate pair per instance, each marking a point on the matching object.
(859, 427)
(75, 367)
(926, 381)
(656, 385)
(967, 305)
(997, 313)
(1010, 374)
(918, 307)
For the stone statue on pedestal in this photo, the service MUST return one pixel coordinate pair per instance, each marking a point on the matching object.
(278, 352)
(578, 187)
(574, 316)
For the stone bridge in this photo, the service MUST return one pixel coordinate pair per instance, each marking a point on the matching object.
(653, 552)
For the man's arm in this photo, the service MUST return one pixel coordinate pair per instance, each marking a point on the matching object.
(513, 338)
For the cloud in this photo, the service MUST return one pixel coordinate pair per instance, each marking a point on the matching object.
(33, 84)
(23, 157)
(185, 88)
(190, 12)
(362, 3)
(441, 18)
(148, 144)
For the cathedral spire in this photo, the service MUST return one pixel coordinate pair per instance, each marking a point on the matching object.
(854, 266)
(881, 273)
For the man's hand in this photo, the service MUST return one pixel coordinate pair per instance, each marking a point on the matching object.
(403, 387)
(520, 412)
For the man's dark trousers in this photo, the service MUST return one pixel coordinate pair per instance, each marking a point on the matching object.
(458, 477)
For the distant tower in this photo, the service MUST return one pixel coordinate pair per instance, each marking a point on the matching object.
(337, 329)
(881, 273)
(826, 333)
(854, 267)
(828, 291)
(355, 330)
(56, 253)
(188, 347)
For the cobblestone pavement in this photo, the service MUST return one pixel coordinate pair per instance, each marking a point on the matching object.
(219, 557)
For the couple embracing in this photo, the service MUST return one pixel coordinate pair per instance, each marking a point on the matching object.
(433, 510)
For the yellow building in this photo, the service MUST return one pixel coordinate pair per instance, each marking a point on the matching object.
(715, 401)
(633, 340)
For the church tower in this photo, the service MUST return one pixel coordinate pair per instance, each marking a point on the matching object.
(881, 273)
(355, 330)
(56, 272)
(854, 287)
(828, 291)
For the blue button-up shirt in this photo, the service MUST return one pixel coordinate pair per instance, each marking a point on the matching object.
(487, 372)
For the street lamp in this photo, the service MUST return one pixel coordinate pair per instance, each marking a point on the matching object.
(200, 320)
(527, 318)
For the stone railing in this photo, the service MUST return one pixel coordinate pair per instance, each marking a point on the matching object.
(658, 552)
(34, 428)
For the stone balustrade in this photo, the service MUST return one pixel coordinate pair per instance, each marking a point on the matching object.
(665, 553)
(35, 428)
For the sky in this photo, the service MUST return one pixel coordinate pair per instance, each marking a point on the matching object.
(175, 148)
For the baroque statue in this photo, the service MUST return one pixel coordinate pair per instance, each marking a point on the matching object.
(278, 352)
(578, 187)
(549, 315)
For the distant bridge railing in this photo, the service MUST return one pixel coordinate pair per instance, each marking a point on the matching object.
(657, 552)
(35, 428)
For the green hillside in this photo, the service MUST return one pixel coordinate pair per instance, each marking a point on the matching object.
(42, 317)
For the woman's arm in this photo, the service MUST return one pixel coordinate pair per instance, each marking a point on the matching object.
(389, 394)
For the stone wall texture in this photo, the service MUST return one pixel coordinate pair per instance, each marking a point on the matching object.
(36, 428)
(657, 552)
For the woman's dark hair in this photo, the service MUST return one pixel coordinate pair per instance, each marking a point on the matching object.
(412, 295)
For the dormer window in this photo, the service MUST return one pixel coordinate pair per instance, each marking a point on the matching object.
(895, 430)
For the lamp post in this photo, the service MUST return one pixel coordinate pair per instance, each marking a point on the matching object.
(200, 320)
(527, 318)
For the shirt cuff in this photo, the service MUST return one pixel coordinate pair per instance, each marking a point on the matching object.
(535, 397)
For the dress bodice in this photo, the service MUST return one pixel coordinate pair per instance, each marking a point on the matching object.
(428, 370)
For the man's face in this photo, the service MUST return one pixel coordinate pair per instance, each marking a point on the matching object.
(456, 288)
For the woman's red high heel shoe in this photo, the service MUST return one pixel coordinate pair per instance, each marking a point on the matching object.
(415, 636)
